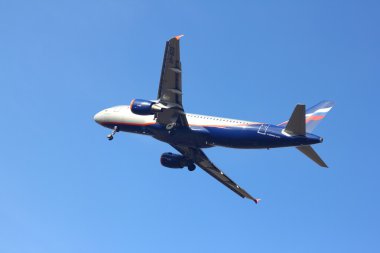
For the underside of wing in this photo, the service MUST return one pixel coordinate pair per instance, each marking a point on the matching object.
(200, 159)
(170, 89)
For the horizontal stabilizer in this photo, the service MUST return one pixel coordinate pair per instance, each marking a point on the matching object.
(314, 115)
(310, 152)
(296, 124)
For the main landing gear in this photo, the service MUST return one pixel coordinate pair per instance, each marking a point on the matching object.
(191, 167)
(170, 126)
(110, 136)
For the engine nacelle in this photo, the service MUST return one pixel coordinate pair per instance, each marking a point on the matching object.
(145, 107)
(142, 107)
(173, 161)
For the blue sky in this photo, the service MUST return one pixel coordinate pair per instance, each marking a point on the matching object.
(65, 188)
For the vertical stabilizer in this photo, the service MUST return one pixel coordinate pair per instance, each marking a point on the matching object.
(314, 115)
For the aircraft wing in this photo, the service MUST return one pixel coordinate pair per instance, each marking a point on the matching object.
(200, 159)
(170, 90)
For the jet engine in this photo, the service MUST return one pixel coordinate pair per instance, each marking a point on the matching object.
(145, 107)
(175, 161)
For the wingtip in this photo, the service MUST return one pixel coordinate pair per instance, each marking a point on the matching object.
(256, 200)
(179, 36)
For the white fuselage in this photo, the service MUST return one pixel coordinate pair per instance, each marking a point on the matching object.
(122, 114)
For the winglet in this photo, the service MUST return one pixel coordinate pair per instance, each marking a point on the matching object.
(256, 200)
(179, 36)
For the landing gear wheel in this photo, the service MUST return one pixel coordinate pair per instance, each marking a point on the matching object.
(170, 126)
(110, 137)
(191, 167)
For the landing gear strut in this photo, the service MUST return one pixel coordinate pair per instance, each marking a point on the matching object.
(110, 136)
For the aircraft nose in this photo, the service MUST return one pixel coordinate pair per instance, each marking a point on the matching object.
(98, 117)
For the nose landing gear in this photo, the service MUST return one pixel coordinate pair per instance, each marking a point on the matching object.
(110, 136)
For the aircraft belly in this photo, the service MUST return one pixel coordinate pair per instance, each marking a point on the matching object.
(233, 137)
(183, 136)
(237, 137)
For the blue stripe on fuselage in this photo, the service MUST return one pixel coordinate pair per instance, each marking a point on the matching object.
(254, 137)
(248, 136)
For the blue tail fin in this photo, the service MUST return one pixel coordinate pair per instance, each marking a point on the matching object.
(314, 115)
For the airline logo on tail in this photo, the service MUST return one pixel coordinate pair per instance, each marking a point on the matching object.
(317, 115)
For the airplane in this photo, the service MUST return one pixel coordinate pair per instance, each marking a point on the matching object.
(165, 120)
